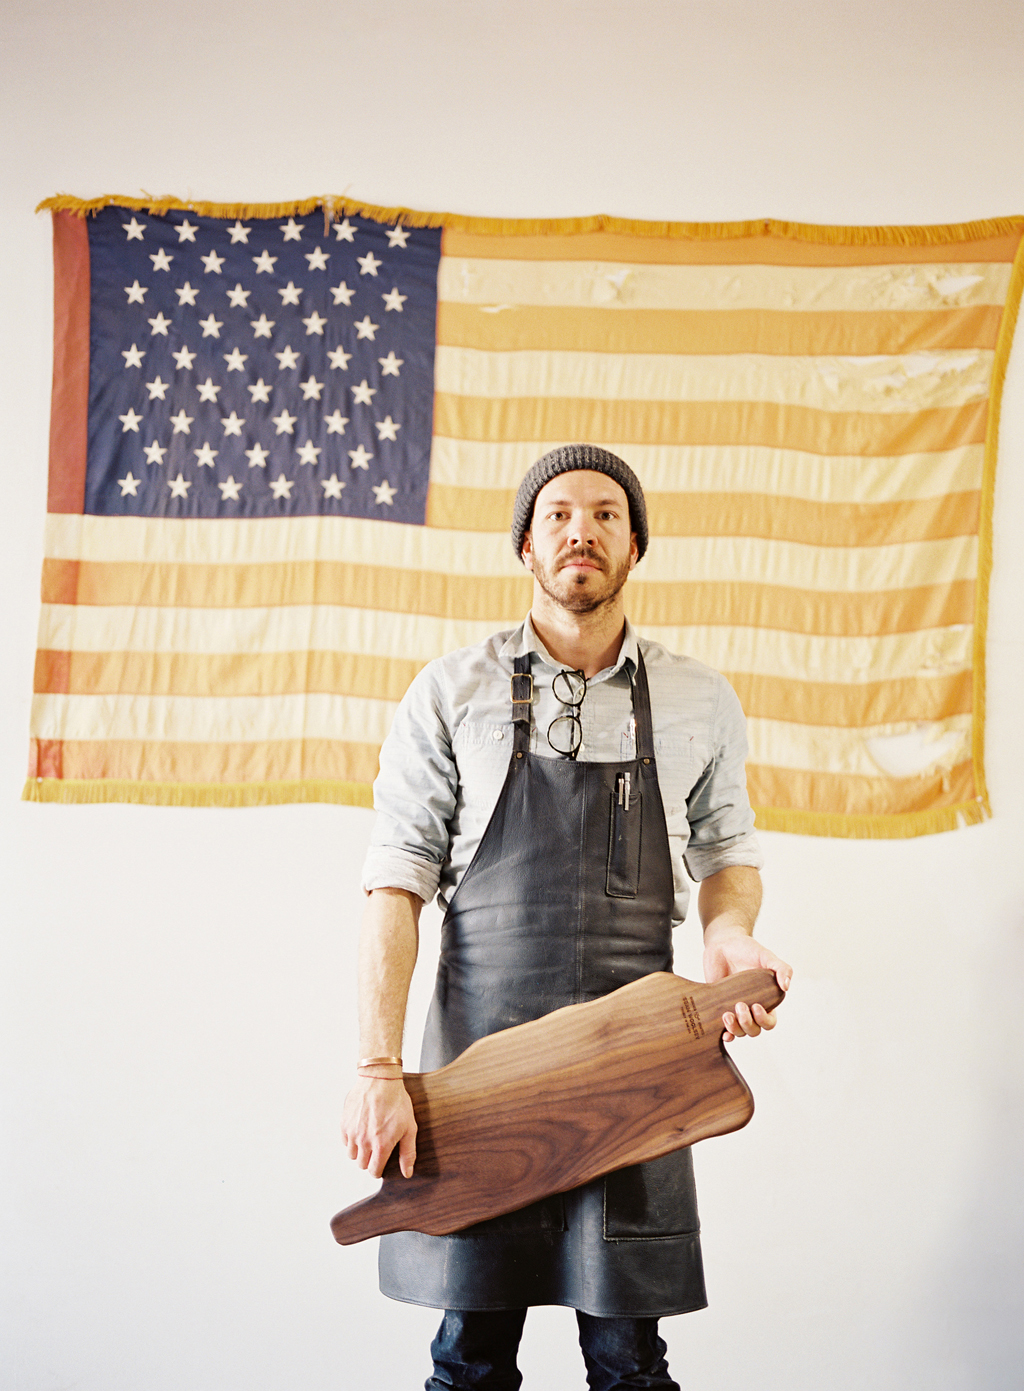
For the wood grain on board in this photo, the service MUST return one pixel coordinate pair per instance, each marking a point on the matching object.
(547, 1105)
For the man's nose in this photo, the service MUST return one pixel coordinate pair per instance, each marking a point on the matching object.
(580, 533)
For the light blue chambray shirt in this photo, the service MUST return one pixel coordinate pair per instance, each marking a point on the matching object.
(443, 764)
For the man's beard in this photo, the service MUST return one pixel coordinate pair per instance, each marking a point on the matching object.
(570, 592)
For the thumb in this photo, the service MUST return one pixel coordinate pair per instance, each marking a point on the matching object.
(407, 1153)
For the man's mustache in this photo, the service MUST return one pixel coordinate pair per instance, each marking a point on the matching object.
(581, 553)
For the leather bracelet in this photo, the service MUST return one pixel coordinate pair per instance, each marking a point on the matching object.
(379, 1062)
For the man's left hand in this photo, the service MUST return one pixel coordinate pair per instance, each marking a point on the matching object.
(729, 950)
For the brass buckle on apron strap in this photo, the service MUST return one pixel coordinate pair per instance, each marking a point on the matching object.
(526, 676)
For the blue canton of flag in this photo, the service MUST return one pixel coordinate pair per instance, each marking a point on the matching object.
(260, 369)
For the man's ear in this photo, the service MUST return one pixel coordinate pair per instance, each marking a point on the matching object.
(634, 550)
(526, 555)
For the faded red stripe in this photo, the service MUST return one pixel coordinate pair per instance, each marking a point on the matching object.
(69, 409)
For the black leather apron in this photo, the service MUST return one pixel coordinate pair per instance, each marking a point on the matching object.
(568, 896)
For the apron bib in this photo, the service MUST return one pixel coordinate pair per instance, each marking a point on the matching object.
(568, 896)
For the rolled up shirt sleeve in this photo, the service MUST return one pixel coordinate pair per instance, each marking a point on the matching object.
(414, 793)
(718, 809)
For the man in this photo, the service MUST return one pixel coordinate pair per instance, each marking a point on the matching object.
(548, 781)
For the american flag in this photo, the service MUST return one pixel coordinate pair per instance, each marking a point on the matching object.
(284, 451)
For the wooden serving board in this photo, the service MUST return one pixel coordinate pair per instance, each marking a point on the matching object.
(544, 1106)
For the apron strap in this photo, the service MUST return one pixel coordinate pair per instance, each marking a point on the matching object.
(522, 704)
(642, 710)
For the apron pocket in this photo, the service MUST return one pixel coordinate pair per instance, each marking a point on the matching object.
(548, 1215)
(651, 1200)
(623, 874)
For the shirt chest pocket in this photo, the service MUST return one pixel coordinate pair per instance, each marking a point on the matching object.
(681, 759)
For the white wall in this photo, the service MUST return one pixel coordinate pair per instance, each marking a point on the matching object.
(177, 1008)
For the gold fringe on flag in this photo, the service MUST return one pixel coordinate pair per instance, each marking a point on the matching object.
(551, 226)
(196, 794)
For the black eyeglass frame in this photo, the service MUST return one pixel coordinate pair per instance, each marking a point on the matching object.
(575, 684)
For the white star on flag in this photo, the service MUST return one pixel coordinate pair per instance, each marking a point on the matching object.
(368, 264)
(336, 423)
(211, 327)
(179, 486)
(160, 324)
(186, 294)
(154, 453)
(342, 294)
(384, 493)
(311, 389)
(129, 484)
(157, 389)
(186, 232)
(161, 261)
(360, 458)
(257, 456)
(239, 298)
(344, 231)
(332, 486)
(205, 456)
(317, 259)
(229, 489)
(212, 262)
(264, 263)
(285, 423)
(136, 293)
(365, 329)
(339, 358)
(314, 324)
(389, 365)
(181, 422)
(290, 294)
(259, 391)
(184, 359)
(132, 356)
(387, 429)
(292, 230)
(308, 453)
(235, 360)
(238, 233)
(288, 358)
(129, 421)
(207, 390)
(281, 486)
(393, 300)
(134, 229)
(398, 236)
(262, 326)
(361, 394)
(232, 423)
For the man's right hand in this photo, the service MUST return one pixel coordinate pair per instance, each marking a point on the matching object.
(378, 1115)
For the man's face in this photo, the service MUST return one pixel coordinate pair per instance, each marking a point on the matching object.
(579, 546)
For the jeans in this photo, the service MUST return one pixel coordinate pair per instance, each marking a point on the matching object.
(478, 1350)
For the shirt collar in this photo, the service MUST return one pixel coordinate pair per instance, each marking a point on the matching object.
(524, 640)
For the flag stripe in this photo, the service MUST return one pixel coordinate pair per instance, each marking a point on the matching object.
(505, 288)
(726, 251)
(540, 328)
(837, 794)
(75, 629)
(70, 394)
(710, 423)
(744, 514)
(824, 749)
(175, 761)
(352, 674)
(670, 560)
(749, 469)
(925, 381)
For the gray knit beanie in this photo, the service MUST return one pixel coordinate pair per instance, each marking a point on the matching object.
(567, 459)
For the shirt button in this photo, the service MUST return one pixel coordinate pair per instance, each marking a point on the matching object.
(497, 734)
